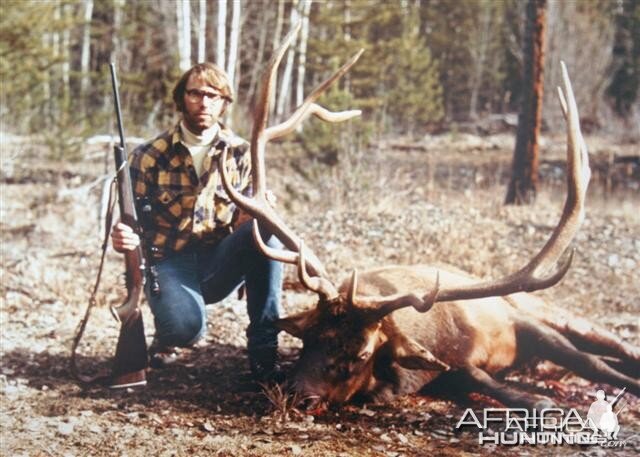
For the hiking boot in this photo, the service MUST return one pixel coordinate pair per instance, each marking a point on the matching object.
(161, 356)
(264, 366)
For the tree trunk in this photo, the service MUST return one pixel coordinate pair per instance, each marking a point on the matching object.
(55, 49)
(66, 63)
(221, 41)
(202, 31)
(46, 83)
(183, 13)
(347, 39)
(232, 62)
(479, 46)
(284, 94)
(277, 36)
(234, 38)
(302, 54)
(257, 65)
(85, 56)
(524, 175)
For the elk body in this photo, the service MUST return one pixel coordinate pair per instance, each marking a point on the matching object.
(398, 328)
(463, 343)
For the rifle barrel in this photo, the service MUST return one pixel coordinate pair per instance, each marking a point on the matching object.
(116, 97)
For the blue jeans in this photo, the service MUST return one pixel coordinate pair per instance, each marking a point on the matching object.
(190, 280)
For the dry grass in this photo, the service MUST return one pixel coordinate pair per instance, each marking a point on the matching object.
(283, 402)
(379, 207)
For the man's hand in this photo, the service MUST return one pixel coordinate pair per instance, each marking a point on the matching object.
(123, 238)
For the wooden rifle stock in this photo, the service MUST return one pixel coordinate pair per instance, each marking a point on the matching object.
(131, 357)
(134, 260)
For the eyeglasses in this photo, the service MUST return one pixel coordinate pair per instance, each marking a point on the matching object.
(195, 95)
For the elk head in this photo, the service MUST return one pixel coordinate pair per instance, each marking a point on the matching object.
(345, 333)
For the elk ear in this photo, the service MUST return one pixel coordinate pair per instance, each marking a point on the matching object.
(412, 355)
(297, 324)
(371, 340)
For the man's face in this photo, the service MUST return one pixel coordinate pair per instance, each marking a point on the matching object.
(203, 105)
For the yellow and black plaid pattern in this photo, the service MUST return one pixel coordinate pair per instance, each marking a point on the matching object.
(179, 209)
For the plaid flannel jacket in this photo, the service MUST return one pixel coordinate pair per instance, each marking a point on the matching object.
(177, 208)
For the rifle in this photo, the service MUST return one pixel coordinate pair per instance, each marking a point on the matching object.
(131, 359)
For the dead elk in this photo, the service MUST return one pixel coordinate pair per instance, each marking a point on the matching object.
(379, 335)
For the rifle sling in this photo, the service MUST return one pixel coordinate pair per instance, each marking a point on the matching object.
(85, 379)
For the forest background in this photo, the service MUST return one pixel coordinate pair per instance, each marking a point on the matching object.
(429, 66)
(411, 187)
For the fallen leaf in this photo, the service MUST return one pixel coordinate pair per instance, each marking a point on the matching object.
(207, 427)
(366, 412)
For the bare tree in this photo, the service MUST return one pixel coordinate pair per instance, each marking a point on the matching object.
(524, 174)
(234, 56)
(591, 56)
(46, 79)
(262, 40)
(66, 59)
(221, 40)
(234, 38)
(302, 54)
(284, 94)
(183, 14)
(276, 42)
(277, 35)
(347, 38)
(86, 48)
(202, 31)
(482, 33)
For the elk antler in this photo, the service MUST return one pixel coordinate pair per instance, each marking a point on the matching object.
(258, 206)
(316, 284)
(532, 276)
(375, 308)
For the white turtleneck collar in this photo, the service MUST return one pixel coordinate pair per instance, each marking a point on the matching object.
(198, 145)
(204, 139)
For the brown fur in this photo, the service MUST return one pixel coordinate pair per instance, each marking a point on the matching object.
(475, 338)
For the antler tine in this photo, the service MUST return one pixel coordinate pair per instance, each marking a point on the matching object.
(318, 284)
(578, 176)
(261, 113)
(375, 308)
(276, 254)
(308, 107)
(258, 141)
(258, 206)
(528, 278)
(262, 211)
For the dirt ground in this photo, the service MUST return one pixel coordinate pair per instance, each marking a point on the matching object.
(437, 200)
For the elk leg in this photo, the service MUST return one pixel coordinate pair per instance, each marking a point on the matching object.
(595, 339)
(582, 333)
(555, 347)
(476, 379)
(628, 368)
